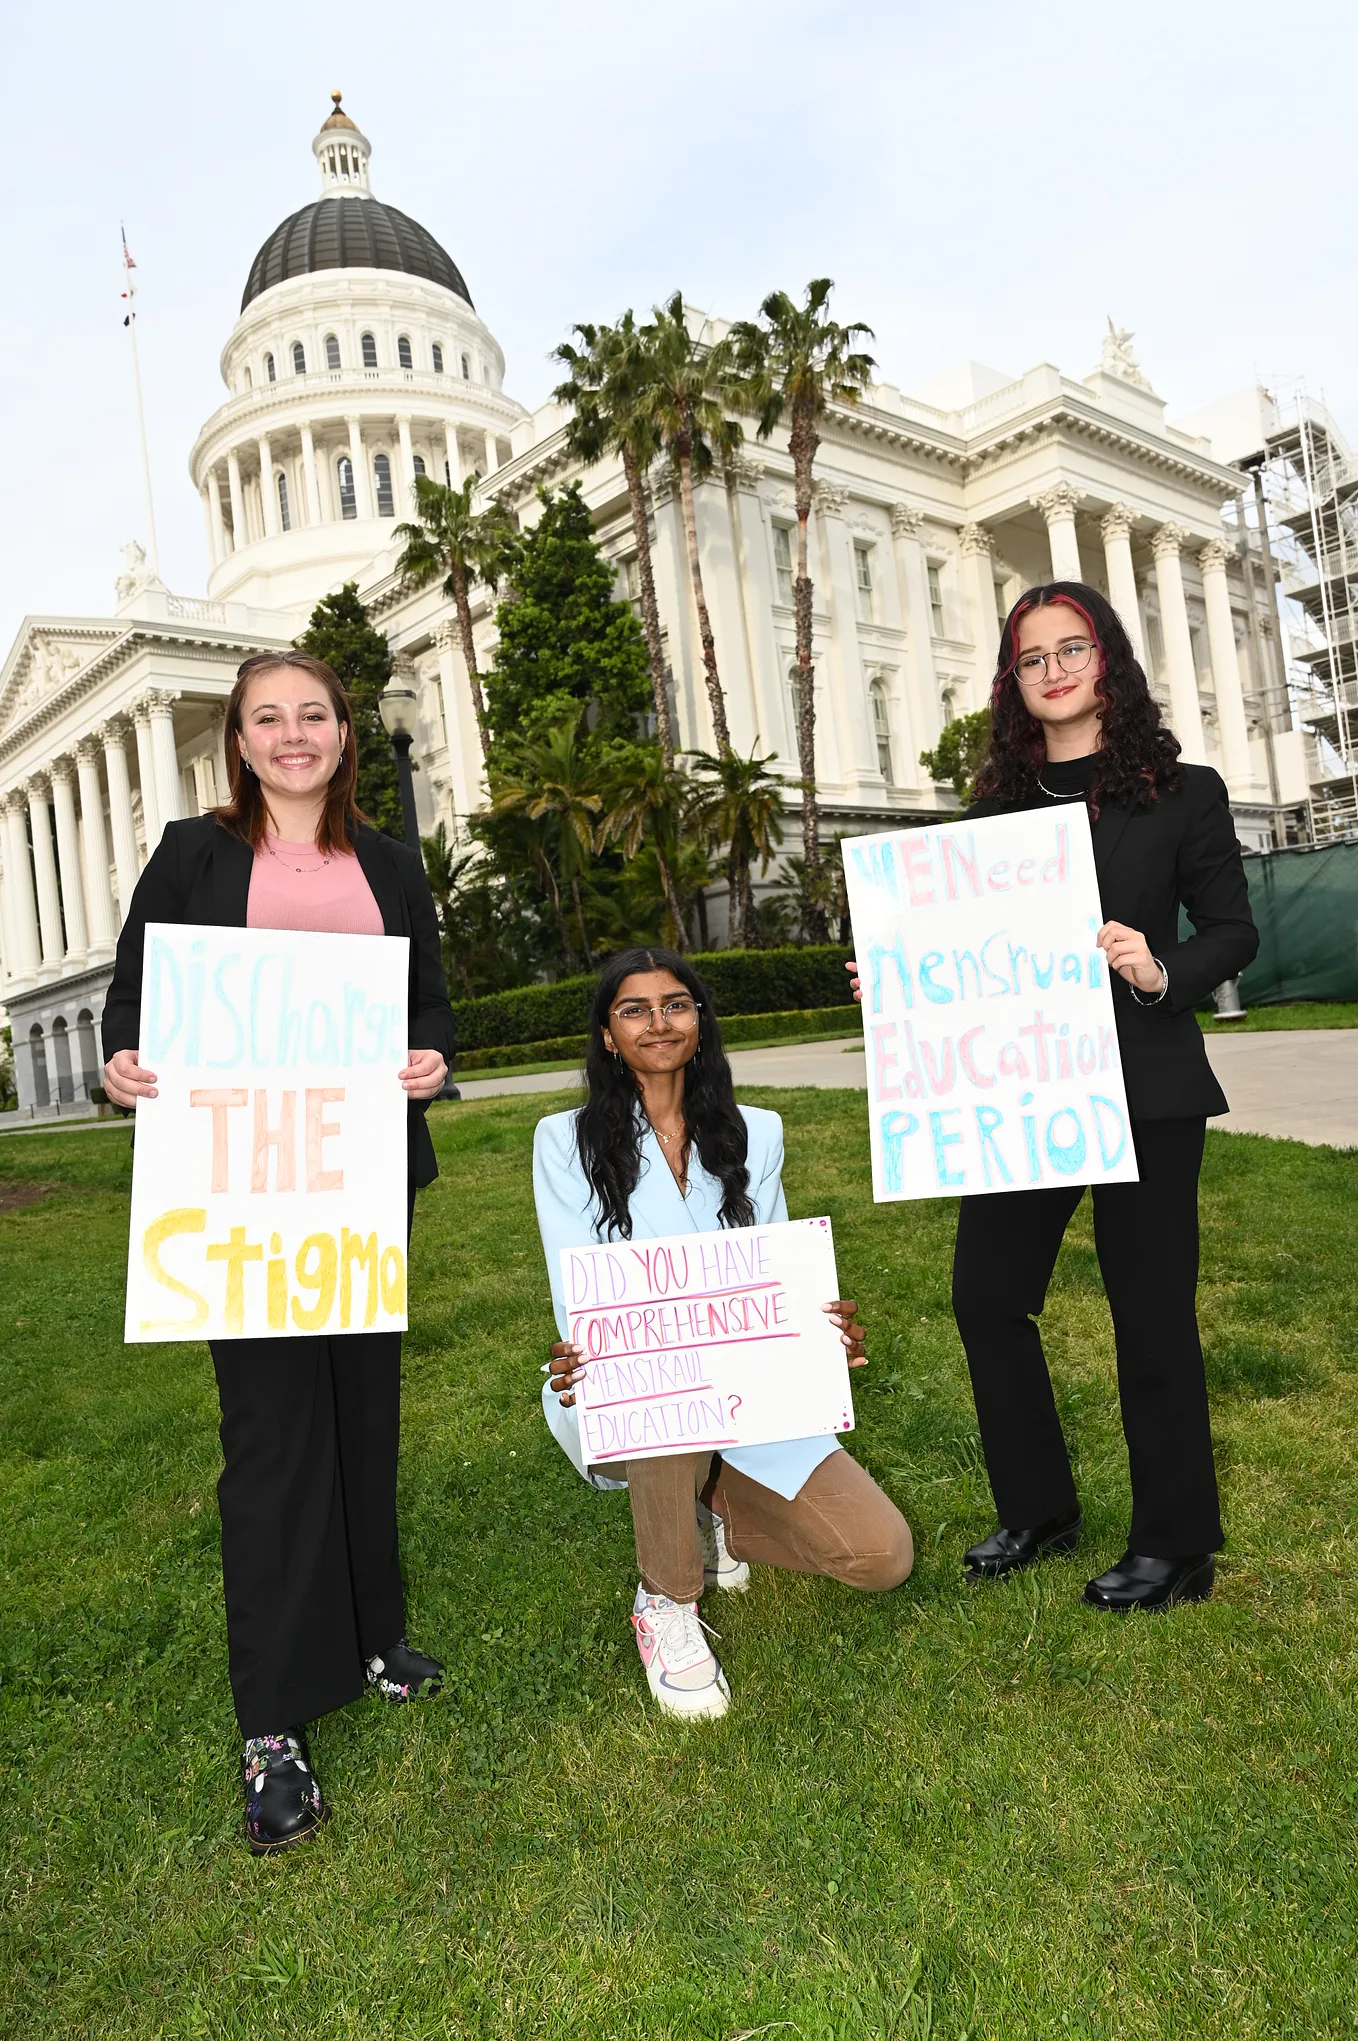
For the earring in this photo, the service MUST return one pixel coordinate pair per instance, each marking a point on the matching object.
(341, 756)
(246, 763)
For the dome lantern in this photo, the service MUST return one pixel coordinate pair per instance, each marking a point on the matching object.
(342, 153)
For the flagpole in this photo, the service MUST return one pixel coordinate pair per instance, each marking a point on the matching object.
(130, 294)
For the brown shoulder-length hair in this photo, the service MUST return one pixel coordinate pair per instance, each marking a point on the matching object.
(245, 814)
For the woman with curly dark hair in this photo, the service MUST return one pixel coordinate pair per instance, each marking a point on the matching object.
(1072, 719)
(660, 1147)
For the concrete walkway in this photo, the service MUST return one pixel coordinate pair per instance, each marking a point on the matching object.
(1299, 1085)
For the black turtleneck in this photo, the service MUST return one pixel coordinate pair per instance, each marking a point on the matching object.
(1065, 779)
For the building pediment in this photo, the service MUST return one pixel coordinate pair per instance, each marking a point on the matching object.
(46, 657)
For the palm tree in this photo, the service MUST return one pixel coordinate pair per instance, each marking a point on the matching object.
(684, 394)
(606, 374)
(797, 363)
(741, 804)
(648, 803)
(462, 545)
(550, 783)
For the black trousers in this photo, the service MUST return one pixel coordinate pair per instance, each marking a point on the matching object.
(310, 1429)
(1146, 1234)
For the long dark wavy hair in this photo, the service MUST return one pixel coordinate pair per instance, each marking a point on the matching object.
(1138, 758)
(610, 1124)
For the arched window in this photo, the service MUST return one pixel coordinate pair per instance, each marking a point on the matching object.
(403, 354)
(270, 371)
(89, 1056)
(61, 1047)
(386, 502)
(437, 352)
(332, 354)
(419, 464)
(881, 729)
(348, 502)
(249, 380)
(369, 346)
(466, 368)
(37, 1050)
(298, 358)
(284, 511)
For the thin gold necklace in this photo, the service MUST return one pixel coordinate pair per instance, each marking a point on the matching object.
(307, 871)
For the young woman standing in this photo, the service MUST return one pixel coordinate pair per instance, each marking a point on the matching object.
(1074, 720)
(315, 1609)
(660, 1147)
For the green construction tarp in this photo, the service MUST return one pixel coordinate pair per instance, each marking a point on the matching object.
(1305, 905)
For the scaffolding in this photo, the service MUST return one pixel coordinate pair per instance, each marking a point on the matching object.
(1306, 491)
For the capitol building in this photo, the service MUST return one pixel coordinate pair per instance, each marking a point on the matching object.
(359, 361)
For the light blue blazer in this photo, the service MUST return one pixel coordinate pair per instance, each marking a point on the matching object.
(659, 1209)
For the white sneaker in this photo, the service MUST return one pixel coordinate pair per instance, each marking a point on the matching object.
(681, 1671)
(719, 1568)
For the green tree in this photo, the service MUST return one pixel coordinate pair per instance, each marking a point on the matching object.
(489, 939)
(607, 376)
(340, 633)
(462, 545)
(647, 804)
(551, 783)
(960, 752)
(740, 804)
(686, 391)
(794, 364)
(566, 645)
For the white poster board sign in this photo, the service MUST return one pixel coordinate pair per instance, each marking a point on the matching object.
(992, 1049)
(269, 1174)
(707, 1340)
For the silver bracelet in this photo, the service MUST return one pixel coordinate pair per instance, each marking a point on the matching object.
(1145, 998)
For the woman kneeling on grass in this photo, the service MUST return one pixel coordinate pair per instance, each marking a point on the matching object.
(660, 1147)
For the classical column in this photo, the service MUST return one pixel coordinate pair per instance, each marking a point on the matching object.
(220, 544)
(68, 860)
(1185, 712)
(407, 465)
(208, 532)
(103, 922)
(465, 764)
(753, 565)
(454, 456)
(309, 477)
(268, 488)
(164, 757)
(112, 736)
(23, 918)
(240, 530)
(45, 871)
(926, 712)
(492, 454)
(978, 574)
(1116, 527)
(363, 499)
(1057, 505)
(1235, 736)
(849, 690)
(146, 773)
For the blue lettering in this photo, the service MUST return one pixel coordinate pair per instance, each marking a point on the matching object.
(988, 1119)
(1066, 1156)
(224, 1000)
(896, 1129)
(928, 963)
(1095, 1102)
(879, 955)
(163, 973)
(947, 1178)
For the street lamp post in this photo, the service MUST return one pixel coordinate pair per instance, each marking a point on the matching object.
(398, 705)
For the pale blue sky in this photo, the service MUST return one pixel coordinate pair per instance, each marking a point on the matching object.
(981, 180)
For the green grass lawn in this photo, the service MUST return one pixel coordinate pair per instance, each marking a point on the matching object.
(940, 1813)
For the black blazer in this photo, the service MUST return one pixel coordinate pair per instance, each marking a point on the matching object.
(1179, 852)
(200, 872)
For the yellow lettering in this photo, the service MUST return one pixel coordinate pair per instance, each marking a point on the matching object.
(235, 1252)
(393, 1281)
(354, 1248)
(276, 1287)
(320, 1278)
(184, 1219)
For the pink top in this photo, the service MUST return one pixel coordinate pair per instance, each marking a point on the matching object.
(331, 897)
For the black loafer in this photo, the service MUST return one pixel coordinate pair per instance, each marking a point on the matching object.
(404, 1675)
(1139, 1582)
(1008, 1551)
(283, 1800)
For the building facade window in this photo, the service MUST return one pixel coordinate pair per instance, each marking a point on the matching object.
(348, 501)
(249, 380)
(437, 352)
(862, 583)
(466, 368)
(936, 617)
(369, 347)
(284, 509)
(417, 461)
(782, 563)
(881, 729)
(37, 1049)
(1001, 606)
(269, 369)
(332, 353)
(403, 355)
(631, 583)
(298, 358)
(386, 502)
(794, 696)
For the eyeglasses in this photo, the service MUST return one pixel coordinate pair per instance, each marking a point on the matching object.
(680, 1013)
(1032, 666)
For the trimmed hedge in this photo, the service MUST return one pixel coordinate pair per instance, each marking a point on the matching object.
(740, 1032)
(740, 982)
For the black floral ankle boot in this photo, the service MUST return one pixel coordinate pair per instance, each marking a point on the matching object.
(283, 1800)
(404, 1675)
